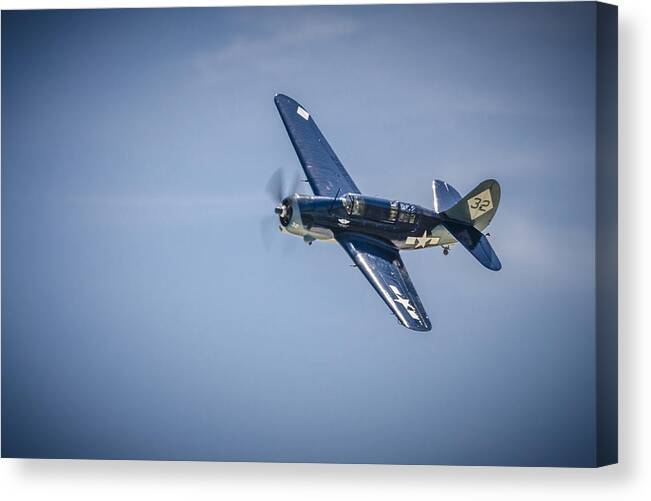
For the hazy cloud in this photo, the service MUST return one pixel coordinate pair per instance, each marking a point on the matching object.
(264, 52)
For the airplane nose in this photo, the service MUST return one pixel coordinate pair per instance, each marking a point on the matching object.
(279, 210)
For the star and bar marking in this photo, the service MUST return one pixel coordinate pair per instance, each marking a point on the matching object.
(422, 241)
(406, 304)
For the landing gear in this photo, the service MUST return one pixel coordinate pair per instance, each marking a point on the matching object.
(446, 250)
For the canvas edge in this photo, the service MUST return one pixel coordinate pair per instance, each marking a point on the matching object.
(606, 315)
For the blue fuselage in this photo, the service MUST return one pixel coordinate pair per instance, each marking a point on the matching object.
(404, 225)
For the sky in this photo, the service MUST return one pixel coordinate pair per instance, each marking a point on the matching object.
(142, 315)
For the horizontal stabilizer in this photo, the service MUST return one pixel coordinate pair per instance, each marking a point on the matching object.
(445, 196)
(473, 240)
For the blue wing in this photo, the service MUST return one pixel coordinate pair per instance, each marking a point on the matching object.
(324, 171)
(381, 265)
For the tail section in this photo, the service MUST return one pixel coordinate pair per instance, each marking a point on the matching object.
(469, 215)
(478, 207)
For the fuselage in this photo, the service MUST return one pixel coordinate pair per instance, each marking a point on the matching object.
(405, 225)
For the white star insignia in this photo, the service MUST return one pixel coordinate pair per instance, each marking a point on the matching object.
(422, 241)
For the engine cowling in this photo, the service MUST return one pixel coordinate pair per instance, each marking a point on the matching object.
(289, 214)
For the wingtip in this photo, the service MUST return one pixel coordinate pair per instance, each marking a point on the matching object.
(286, 101)
(425, 327)
(279, 96)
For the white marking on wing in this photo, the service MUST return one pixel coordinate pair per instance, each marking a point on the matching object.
(303, 113)
(405, 303)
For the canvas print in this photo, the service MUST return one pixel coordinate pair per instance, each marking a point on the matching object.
(210, 219)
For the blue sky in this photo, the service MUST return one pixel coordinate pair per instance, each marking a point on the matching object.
(142, 316)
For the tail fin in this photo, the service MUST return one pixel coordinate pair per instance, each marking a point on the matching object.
(478, 207)
(476, 243)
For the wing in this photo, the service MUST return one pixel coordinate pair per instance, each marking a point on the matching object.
(381, 265)
(323, 169)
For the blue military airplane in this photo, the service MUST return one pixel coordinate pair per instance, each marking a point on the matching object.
(374, 230)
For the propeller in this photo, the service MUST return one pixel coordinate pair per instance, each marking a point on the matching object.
(275, 186)
(278, 189)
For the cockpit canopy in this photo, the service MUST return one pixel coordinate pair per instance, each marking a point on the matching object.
(379, 209)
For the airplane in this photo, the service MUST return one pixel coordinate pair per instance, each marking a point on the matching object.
(374, 230)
